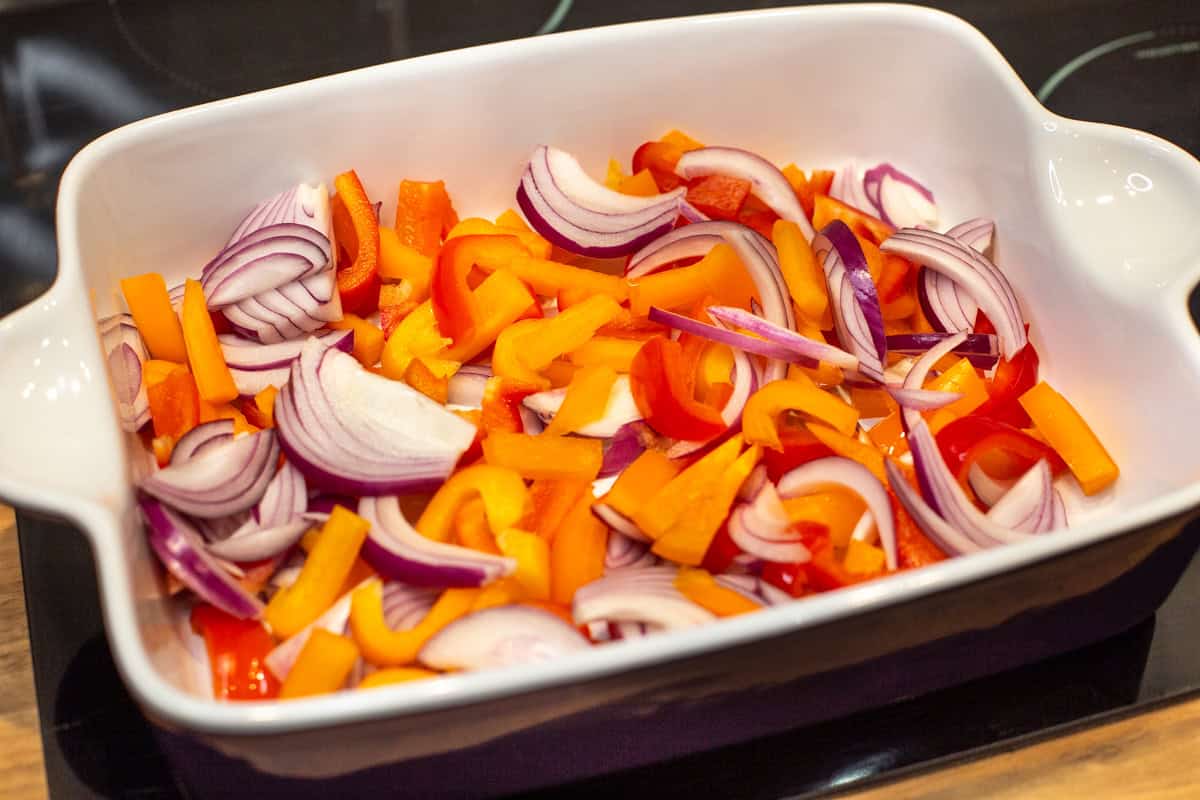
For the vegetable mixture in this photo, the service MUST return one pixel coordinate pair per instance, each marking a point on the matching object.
(383, 452)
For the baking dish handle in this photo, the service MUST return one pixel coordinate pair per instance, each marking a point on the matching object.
(59, 439)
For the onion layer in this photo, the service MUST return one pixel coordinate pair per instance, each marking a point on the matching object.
(853, 300)
(501, 637)
(767, 183)
(126, 352)
(222, 479)
(644, 594)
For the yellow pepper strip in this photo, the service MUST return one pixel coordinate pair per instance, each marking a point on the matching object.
(727, 278)
(614, 175)
(872, 403)
(851, 448)
(471, 527)
(585, 402)
(532, 554)
(761, 415)
(394, 675)
(1071, 437)
(719, 274)
(322, 666)
(640, 185)
(688, 539)
(473, 226)
(502, 300)
(804, 277)
(400, 262)
(264, 401)
(368, 338)
(640, 481)
(795, 176)
(560, 373)
(550, 277)
(888, 435)
(505, 500)
(698, 586)
(150, 304)
(680, 140)
(836, 509)
(961, 378)
(324, 571)
(504, 592)
(204, 354)
(684, 493)
(552, 501)
(824, 374)
(863, 558)
(608, 351)
(155, 370)
(511, 220)
(715, 368)
(209, 412)
(417, 335)
(420, 377)
(537, 457)
(506, 355)
(384, 647)
(577, 552)
(567, 331)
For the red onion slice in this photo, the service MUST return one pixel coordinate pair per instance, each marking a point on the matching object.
(922, 399)
(404, 606)
(762, 529)
(126, 352)
(466, 387)
(741, 341)
(981, 349)
(260, 542)
(501, 637)
(255, 366)
(850, 188)
(917, 374)
(354, 432)
(397, 551)
(801, 345)
(623, 449)
(1029, 505)
(986, 488)
(204, 435)
(948, 539)
(618, 522)
(855, 304)
(286, 497)
(948, 308)
(222, 479)
(181, 550)
(620, 411)
(1058, 519)
(754, 588)
(902, 200)
(625, 552)
(768, 184)
(644, 594)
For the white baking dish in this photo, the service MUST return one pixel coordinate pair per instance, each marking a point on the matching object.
(1096, 228)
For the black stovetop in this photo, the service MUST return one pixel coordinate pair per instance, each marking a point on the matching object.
(70, 71)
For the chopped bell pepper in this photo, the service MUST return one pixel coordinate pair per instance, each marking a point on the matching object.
(550, 277)
(824, 374)
(544, 456)
(321, 578)
(826, 209)
(804, 277)
(501, 408)
(505, 500)
(913, 547)
(553, 499)
(825, 571)
(607, 351)
(512, 220)
(1071, 437)
(663, 390)
(368, 338)
(503, 299)
(532, 554)
(162, 447)
(897, 274)
(760, 417)
(681, 140)
(683, 494)
(640, 184)
(718, 196)
(423, 215)
(864, 559)
(455, 305)
(837, 511)
(420, 377)
(356, 229)
(155, 370)
(477, 226)
(872, 403)
(961, 378)
(260, 409)
(798, 447)
(393, 675)
(686, 541)
(503, 592)
(382, 646)
(720, 274)
(1002, 450)
(394, 305)
(506, 355)
(150, 304)
(471, 527)
(577, 551)
(237, 649)
(851, 448)
(417, 335)
(174, 403)
(698, 586)
(402, 262)
(660, 158)
(888, 435)
(322, 666)
(1011, 379)
(614, 174)
(806, 188)
(640, 481)
(567, 331)
(207, 360)
(585, 402)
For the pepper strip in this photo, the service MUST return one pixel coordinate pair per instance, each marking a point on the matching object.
(761, 415)
(385, 647)
(322, 666)
(356, 228)
(505, 500)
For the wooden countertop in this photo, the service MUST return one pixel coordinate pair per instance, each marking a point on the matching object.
(1154, 755)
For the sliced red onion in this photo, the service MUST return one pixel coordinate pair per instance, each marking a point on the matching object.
(260, 542)
(762, 529)
(949, 308)
(1029, 505)
(922, 399)
(351, 431)
(767, 183)
(405, 606)
(948, 539)
(625, 552)
(855, 304)
(849, 187)
(618, 522)
(919, 371)
(722, 335)
(204, 435)
(754, 588)
(621, 409)
(277, 314)
(221, 528)
(981, 349)
(126, 352)
(623, 448)
(745, 383)
(691, 213)
(645, 594)
(397, 551)
(224, 478)
(986, 488)
(801, 345)
(568, 207)
(466, 387)
(255, 366)
(1059, 519)
(182, 552)
(975, 233)
(505, 636)
(281, 659)
(903, 202)
(286, 498)
(836, 472)
(973, 272)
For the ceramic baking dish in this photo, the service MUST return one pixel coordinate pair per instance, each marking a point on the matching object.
(1096, 228)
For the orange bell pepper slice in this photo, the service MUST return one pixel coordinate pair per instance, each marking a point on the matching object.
(500, 410)
(382, 646)
(356, 229)
(368, 338)
(417, 336)
(698, 586)
(577, 552)
(684, 493)
(913, 547)
(826, 209)
(805, 278)
(544, 456)
(553, 499)
(394, 675)
(606, 351)
(851, 448)
(473, 226)
(550, 277)
(864, 559)
(506, 355)
(207, 360)
(961, 378)
(505, 500)
(836, 511)
(424, 215)
(640, 481)
(322, 666)
(640, 184)
(1071, 437)
(532, 554)
(471, 527)
(719, 274)
(662, 387)
(174, 404)
(719, 196)
(150, 304)
(503, 299)
(585, 402)
(686, 541)
(568, 331)
(761, 414)
(454, 303)
(402, 262)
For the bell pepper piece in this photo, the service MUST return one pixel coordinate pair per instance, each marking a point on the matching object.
(585, 402)
(420, 377)
(155, 370)
(532, 554)
(640, 184)
(321, 578)
(872, 403)
(174, 404)
(614, 174)
(512, 220)
(544, 456)
(719, 196)
(260, 409)
(471, 527)
(150, 304)
(505, 500)
(835, 510)
(507, 361)
(550, 277)
(888, 435)
(864, 559)
(824, 374)
(698, 586)
(423, 215)
(209, 412)
(162, 447)
(975, 440)
(826, 209)
(204, 355)
(606, 351)
(402, 262)
(961, 378)
(477, 226)
(504, 592)
(501, 405)
(368, 338)
(714, 369)
(553, 499)
(913, 547)
(577, 551)
(356, 229)
(382, 646)
(322, 666)
(394, 305)
(567, 331)
(850, 447)
(1071, 437)
(640, 481)
(394, 675)
(681, 140)
(688, 539)
(660, 158)
(684, 493)
(798, 447)
(455, 306)
(236, 651)
(417, 335)
(663, 390)
(761, 415)
(504, 299)
(897, 275)
(1011, 379)
(720, 274)
(804, 277)
(825, 571)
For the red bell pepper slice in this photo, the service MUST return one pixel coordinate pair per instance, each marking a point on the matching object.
(1011, 380)
(825, 571)
(454, 303)
(660, 158)
(966, 440)
(799, 447)
(793, 578)
(662, 387)
(356, 228)
(424, 215)
(719, 196)
(913, 547)
(236, 652)
(721, 552)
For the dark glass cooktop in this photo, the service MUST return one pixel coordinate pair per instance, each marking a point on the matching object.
(70, 71)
